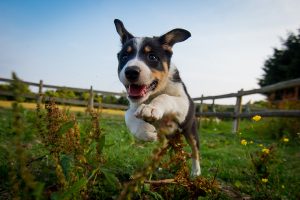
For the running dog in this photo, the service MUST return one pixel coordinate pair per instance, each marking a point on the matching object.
(155, 90)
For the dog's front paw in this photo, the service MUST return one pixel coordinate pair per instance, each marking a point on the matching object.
(148, 113)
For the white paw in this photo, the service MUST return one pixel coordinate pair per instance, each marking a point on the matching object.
(196, 170)
(148, 113)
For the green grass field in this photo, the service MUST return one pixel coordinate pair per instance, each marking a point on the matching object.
(240, 169)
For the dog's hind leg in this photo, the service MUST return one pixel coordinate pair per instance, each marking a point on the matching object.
(193, 140)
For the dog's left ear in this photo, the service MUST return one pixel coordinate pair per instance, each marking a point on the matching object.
(174, 36)
(124, 34)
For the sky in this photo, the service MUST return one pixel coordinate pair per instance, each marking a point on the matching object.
(74, 42)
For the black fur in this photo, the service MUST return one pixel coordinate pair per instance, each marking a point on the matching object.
(156, 50)
(124, 34)
(176, 77)
(155, 43)
(189, 125)
(124, 56)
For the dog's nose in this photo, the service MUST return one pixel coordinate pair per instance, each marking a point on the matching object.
(132, 73)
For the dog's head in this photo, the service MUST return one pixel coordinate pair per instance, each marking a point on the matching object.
(144, 62)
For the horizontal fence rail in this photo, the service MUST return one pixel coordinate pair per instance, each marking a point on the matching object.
(67, 101)
(66, 88)
(265, 113)
(266, 89)
(40, 96)
(236, 114)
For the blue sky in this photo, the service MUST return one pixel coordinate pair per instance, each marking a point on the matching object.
(74, 42)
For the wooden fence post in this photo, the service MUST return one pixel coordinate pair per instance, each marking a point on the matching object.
(91, 99)
(201, 105)
(248, 107)
(40, 94)
(200, 111)
(213, 108)
(237, 111)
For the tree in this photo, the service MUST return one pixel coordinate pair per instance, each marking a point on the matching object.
(62, 93)
(284, 64)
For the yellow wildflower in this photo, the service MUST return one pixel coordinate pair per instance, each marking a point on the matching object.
(285, 139)
(244, 142)
(264, 180)
(261, 145)
(266, 150)
(256, 118)
(251, 142)
(282, 186)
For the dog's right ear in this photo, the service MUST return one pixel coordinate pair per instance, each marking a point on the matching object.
(124, 34)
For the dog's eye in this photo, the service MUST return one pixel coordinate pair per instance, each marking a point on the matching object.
(152, 57)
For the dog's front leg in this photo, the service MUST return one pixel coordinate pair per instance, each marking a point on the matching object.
(164, 105)
(139, 128)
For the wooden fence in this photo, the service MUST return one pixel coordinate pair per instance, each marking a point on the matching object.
(40, 96)
(238, 114)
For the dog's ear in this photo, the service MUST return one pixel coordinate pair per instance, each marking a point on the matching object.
(174, 36)
(124, 34)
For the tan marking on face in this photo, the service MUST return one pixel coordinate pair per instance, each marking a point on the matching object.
(129, 49)
(162, 78)
(147, 49)
(165, 65)
(159, 75)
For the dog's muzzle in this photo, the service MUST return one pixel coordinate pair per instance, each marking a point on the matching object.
(132, 73)
(136, 89)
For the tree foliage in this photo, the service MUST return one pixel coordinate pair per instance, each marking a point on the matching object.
(62, 93)
(284, 64)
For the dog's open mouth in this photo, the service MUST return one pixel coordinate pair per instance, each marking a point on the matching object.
(136, 91)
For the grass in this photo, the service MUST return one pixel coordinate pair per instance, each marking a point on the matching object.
(223, 149)
(222, 155)
(32, 106)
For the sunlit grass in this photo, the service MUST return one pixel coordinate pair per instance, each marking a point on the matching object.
(32, 106)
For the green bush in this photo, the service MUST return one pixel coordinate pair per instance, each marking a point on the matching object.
(49, 154)
(277, 128)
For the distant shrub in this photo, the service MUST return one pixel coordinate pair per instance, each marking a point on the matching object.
(276, 128)
(281, 126)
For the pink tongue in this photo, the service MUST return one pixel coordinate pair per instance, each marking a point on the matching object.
(137, 90)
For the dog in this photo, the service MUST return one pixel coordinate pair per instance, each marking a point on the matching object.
(155, 90)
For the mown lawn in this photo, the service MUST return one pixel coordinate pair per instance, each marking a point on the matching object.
(241, 170)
